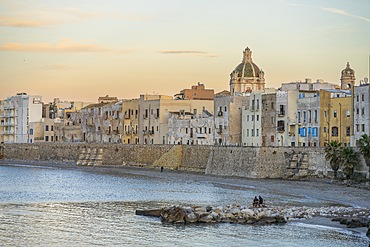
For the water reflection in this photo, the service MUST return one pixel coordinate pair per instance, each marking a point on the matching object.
(52, 207)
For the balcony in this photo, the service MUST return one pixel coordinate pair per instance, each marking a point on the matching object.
(7, 132)
(7, 124)
(281, 113)
(202, 136)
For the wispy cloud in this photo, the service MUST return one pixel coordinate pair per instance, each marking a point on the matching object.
(58, 67)
(27, 16)
(345, 13)
(65, 45)
(24, 22)
(188, 52)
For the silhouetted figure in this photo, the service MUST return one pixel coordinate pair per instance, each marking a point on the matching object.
(261, 202)
(255, 202)
(162, 168)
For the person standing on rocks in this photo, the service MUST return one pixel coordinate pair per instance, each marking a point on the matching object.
(255, 202)
(261, 202)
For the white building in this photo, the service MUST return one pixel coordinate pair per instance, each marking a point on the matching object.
(252, 120)
(17, 113)
(308, 118)
(187, 128)
(361, 110)
(154, 115)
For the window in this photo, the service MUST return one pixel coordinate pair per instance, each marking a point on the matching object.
(363, 127)
(348, 113)
(272, 138)
(272, 105)
(315, 116)
(324, 113)
(31, 131)
(335, 113)
(357, 98)
(247, 118)
(46, 138)
(252, 117)
(304, 116)
(348, 131)
(252, 104)
(299, 117)
(258, 117)
(357, 111)
(363, 111)
(52, 138)
(334, 131)
(362, 97)
(309, 116)
(282, 111)
(252, 132)
(314, 132)
(52, 127)
(257, 130)
(157, 112)
(247, 132)
(357, 127)
(258, 104)
(302, 132)
(272, 120)
(324, 129)
(225, 109)
(280, 125)
(47, 128)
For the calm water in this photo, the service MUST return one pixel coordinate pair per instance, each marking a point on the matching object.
(42, 206)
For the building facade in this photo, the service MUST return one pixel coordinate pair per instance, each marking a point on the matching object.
(361, 111)
(198, 92)
(17, 113)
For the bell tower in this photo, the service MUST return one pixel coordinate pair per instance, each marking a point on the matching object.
(347, 79)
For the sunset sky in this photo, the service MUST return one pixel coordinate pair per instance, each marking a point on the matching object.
(83, 49)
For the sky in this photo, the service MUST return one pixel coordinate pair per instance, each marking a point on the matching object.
(83, 49)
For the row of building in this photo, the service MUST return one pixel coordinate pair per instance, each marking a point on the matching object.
(308, 113)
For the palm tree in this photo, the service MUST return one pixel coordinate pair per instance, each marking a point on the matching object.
(349, 160)
(364, 146)
(332, 151)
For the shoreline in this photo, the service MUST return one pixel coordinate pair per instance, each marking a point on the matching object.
(315, 189)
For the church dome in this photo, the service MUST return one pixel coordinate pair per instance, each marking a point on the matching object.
(247, 68)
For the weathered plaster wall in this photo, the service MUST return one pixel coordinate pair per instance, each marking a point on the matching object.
(251, 162)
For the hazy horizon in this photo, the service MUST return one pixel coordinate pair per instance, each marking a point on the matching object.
(80, 50)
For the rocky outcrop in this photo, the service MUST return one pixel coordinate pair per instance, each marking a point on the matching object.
(354, 217)
(353, 222)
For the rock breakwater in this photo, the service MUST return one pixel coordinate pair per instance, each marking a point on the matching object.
(251, 215)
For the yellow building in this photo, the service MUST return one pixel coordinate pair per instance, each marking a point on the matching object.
(130, 113)
(336, 116)
(336, 111)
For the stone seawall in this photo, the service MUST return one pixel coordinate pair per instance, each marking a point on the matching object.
(249, 162)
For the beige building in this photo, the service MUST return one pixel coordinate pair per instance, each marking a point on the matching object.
(42, 131)
(197, 92)
(228, 118)
(258, 119)
(154, 115)
(247, 76)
